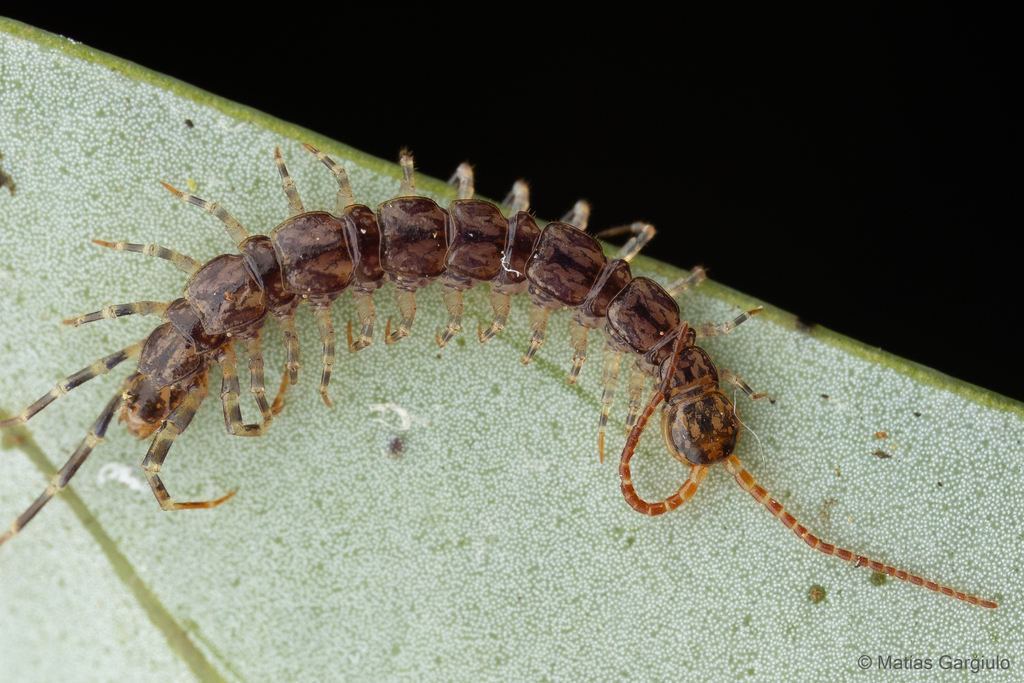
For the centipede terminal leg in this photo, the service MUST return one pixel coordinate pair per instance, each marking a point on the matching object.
(172, 427)
(92, 439)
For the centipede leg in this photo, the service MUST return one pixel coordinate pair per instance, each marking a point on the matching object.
(364, 309)
(322, 311)
(183, 263)
(696, 276)
(257, 386)
(538, 323)
(609, 379)
(100, 367)
(278, 405)
(344, 196)
(407, 188)
(92, 439)
(463, 177)
(229, 397)
(736, 381)
(579, 215)
(714, 330)
(236, 232)
(518, 198)
(173, 426)
(578, 340)
(642, 234)
(636, 393)
(407, 307)
(501, 304)
(747, 483)
(118, 310)
(294, 202)
(453, 302)
(285, 318)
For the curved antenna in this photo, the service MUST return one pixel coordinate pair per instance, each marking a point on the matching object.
(697, 472)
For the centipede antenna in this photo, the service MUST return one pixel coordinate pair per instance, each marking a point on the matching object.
(408, 186)
(463, 177)
(236, 232)
(697, 472)
(697, 275)
(578, 216)
(775, 508)
(294, 201)
(518, 198)
(345, 197)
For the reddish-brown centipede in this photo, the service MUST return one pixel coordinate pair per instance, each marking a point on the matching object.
(314, 256)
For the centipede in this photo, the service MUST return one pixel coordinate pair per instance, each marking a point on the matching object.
(411, 241)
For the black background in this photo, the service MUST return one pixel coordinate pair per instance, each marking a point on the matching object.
(857, 169)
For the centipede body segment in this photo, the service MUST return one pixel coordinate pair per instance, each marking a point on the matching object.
(313, 257)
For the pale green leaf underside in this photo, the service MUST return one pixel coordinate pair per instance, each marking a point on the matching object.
(496, 547)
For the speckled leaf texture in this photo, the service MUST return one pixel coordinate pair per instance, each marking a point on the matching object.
(494, 546)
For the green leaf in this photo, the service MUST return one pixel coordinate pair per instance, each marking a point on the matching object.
(494, 546)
